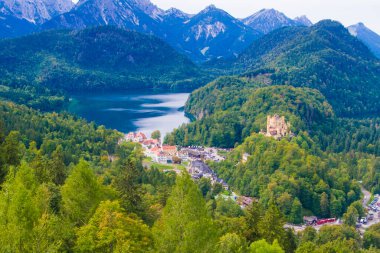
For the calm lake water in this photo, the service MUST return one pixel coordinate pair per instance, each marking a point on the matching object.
(143, 111)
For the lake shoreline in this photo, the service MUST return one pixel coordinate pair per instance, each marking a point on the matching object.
(132, 111)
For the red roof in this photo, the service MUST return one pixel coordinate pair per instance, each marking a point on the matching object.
(169, 148)
(154, 149)
(150, 142)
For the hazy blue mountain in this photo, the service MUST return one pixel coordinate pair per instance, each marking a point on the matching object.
(303, 20)
(213, 33)
(267, 20)
(367, 36)
(128, 14)
(34, 11)
(20, 17)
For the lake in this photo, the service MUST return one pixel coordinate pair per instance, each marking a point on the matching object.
(125, 111)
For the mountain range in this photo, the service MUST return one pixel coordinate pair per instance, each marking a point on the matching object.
(267, 20)
(20, 17)
(325, 57)
(210, 34)
(201, 37)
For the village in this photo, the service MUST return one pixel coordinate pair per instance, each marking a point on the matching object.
(194, 158)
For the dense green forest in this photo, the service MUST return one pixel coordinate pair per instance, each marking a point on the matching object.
(324, 57)
(95, 59)
(62, 192)
(317, 169)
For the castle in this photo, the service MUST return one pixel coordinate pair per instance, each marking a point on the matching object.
(277, 127)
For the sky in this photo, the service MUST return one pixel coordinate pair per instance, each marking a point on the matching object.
(348, 12)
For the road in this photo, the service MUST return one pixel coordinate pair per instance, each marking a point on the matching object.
(365, 201)
(366, 197)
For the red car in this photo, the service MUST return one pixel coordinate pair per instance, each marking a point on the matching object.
(324, 221)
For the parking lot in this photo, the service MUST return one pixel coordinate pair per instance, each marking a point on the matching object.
(373, 208)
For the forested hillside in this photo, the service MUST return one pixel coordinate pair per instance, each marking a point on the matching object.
(230, 109)
(325, 151)
(324, 57)
(60, 192)
(95, 59)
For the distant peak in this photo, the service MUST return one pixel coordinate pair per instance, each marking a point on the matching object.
(268, 11)
(174, 11)
(303, 20)
(211, 7)
(177, 13)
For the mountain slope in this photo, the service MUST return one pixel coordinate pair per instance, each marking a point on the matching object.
(34, 11)
(229, 109)
(325, 57)
(214, 33)
(203, 36)
(367, 36)
(21, 17)
(127, 14)
(11, 27)
(97, 58)
(267, 20)
(303, 20)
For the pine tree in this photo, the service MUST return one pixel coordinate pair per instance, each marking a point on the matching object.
(296, 212)
(324, 203)
(58, 168)
(253, 217)
(128, 187)
(81, 194)
(185, 225)
(271, 226)
(11, 148)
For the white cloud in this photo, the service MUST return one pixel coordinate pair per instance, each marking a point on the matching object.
(346, 11)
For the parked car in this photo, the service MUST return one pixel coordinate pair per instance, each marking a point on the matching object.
(363, 220)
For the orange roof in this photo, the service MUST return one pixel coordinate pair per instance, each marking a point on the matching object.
(169, 148)
(154, 149)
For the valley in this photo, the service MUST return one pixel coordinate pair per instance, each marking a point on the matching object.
(125, 127)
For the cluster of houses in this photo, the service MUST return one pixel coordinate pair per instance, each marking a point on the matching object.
(166, 154)
(198, 169)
